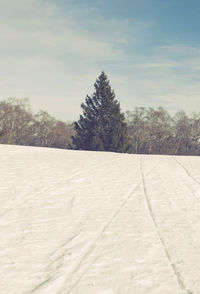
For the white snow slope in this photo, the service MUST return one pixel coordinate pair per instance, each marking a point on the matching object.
(76, 222)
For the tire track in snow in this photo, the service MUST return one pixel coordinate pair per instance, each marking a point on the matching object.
(175, 272)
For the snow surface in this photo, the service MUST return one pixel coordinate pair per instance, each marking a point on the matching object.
(98, 223)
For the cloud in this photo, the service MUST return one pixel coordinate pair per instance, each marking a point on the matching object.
(157, 65)
(167, 76)
(47, 55)
(53, 54)
(43, 28)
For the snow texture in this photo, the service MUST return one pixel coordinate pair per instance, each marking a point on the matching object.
(77, 222)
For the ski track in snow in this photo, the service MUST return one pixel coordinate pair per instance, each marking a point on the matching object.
(103, 229)
(177, 275)
(193, 179)
(75, 222)
(186, 170)
(186, 206)
(92, 243)
(46, 189)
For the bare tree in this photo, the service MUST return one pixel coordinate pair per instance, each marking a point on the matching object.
(43, 129)
(136, 121)
(49, 132)
(182, 133)
(15, 121)
(159, 126)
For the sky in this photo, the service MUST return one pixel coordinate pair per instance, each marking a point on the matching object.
(52, 51)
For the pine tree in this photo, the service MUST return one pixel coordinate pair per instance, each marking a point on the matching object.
(102, 126)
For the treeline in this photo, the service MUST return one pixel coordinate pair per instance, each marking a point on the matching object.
(154, 131)
(151, 131)
(19, 126)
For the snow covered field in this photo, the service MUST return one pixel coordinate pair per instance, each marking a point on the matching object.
(98, 223)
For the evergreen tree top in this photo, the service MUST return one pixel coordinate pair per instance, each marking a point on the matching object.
(102, 125)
